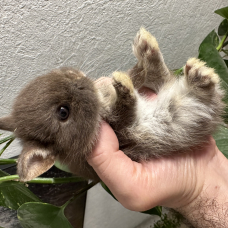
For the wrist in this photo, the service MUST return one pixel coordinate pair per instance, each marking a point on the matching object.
(210, 207)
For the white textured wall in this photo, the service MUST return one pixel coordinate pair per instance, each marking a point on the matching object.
(94, 35)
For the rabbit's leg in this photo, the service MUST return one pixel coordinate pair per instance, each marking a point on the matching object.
(204, 84)
(125, 105)
(150, 70)
(202, 80)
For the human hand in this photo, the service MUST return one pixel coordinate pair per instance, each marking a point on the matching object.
(178, 181)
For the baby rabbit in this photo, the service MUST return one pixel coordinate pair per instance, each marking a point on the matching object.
(58, 116)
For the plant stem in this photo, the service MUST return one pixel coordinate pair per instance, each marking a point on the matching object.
(7, 144)
(39, 180)
(6, 139)
(58, 180)
(220, 46)
(179, 71)
(79, 193)
(7, 161)
(159, 208)
(9, 178)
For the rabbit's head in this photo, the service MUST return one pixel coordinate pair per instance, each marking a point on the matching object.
(56, 116)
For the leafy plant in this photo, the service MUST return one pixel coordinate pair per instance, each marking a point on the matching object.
(34, 213)
(168, 222)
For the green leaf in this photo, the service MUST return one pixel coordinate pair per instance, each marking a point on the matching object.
(226, 62)
(169, 221)
(223, 12)
(223, 27)
(221, 138)
(43, 215)
(13, 194)
(211, 56)
(107, 190)
(212, 38)
(62, 166)
(154, 211)
(3, 174)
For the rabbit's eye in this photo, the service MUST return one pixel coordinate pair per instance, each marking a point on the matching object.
(63, 112)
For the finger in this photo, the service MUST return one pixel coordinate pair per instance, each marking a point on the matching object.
(106, 158)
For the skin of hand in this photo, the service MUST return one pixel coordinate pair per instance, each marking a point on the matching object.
(178, 181)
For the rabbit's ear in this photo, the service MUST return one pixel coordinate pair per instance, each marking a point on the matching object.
(7, 123)
(33, 162)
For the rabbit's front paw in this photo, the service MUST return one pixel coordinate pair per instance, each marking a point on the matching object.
(199, 75)
(125, 105)
(123, 84)
(145, 45)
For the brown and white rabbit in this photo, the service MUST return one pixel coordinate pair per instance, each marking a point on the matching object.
(57, 116)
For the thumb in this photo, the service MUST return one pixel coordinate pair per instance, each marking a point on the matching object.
(106, 158)
(114, 168)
